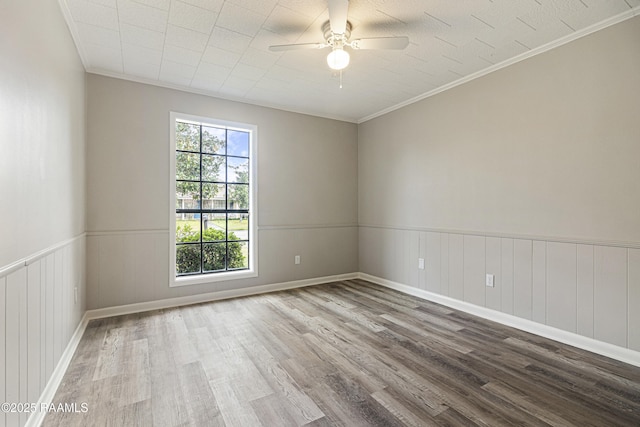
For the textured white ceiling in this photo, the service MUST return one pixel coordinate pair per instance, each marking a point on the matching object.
(220, 47)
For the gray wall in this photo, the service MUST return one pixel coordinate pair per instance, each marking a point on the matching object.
(530, 173)
(307, 184)
(42, 199)
(41, 131)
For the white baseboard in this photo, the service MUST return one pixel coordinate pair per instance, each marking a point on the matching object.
(212, 296)
(605, 349)
(51, 388)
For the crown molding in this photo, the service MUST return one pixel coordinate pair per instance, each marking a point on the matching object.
(526, 55)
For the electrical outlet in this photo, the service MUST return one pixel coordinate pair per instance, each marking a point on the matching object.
(75, 295)
(296, 260)
(490, 280)
(421, 263)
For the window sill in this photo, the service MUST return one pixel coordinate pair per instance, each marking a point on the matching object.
(211, 278)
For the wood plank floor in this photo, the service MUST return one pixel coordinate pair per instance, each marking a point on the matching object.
(342, 354)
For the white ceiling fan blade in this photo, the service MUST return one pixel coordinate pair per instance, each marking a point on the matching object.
(338, 15)
(381, 43)
(298, 46)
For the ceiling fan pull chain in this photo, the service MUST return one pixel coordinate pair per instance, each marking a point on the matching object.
(340, 79)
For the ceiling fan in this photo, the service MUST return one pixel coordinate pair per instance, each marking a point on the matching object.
(337, 31)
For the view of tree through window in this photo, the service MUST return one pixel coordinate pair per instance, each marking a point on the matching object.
(212, 198)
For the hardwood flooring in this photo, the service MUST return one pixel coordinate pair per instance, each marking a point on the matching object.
(342, 354)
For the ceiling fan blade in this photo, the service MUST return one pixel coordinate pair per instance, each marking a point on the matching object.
(338, 15)
(398, 43)
(298, 46)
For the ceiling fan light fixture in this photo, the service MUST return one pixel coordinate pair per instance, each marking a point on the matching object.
(338, 59)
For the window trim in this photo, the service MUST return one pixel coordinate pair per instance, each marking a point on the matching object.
(213, 277)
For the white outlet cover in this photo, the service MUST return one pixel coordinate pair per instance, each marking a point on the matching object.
(490, 280)
(421, 263)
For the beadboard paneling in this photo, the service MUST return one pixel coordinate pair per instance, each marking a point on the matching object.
(634, 299)
(493, 266)
(132, 267)
(584, 279)
(22, 331)
(49, 310)
(610, 295)
(34, 325)
(374, 239)
(422, 250)
(40, 317)
(474, 269)
(456, 266)
(444, 263)
(3, 347)
(433, 262)
(506, 279)
(591, 290)
(410, 254)
(539, 282)
(561, 271)
(522, 277)
(12, 341)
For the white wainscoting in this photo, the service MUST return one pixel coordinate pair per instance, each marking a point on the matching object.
(586, 290)
(131, 267)
(41, 316)
(592, 290)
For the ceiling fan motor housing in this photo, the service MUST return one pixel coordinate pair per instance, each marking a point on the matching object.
(332, 38)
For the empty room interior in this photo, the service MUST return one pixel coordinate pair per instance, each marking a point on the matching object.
(320, 212)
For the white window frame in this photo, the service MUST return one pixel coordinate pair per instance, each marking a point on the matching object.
(252, 271)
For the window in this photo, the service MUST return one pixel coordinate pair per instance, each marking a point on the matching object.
(213, 202)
